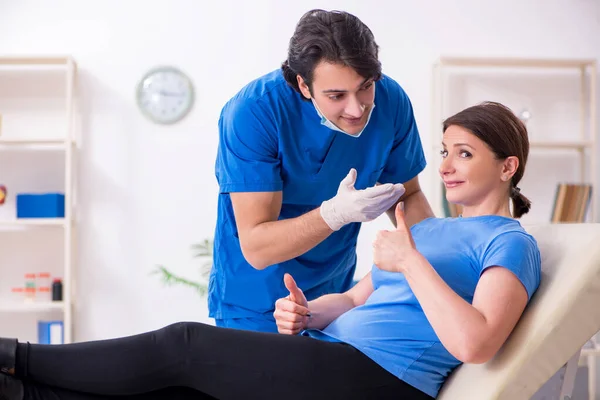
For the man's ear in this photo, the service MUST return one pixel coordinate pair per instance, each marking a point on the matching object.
(303, 87)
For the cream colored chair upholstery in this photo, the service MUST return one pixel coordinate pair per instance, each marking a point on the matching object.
(561, 317)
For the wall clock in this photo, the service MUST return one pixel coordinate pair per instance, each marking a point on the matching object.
(165, 95)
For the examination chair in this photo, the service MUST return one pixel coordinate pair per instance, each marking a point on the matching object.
(562, 316)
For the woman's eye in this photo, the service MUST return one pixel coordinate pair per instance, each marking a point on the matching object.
(465, 154)
(444, 153)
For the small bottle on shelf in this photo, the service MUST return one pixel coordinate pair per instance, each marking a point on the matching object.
(30, 288)
(57, 289)
(2, 194)
(30, 294)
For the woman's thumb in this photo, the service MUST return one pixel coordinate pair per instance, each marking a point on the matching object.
(290, 284)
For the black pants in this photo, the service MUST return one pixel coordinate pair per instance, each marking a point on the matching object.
(196, 361)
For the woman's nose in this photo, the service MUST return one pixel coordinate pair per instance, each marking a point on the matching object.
(446, 166)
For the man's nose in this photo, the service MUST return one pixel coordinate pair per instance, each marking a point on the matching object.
(354, 108)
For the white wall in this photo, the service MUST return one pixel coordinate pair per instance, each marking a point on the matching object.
(147, 192)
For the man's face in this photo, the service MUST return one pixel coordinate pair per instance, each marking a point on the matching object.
(342, 95)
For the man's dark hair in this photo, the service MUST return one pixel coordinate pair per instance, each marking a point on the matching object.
(336, 37)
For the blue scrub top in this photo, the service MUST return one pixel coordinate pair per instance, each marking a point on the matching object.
(270, 139)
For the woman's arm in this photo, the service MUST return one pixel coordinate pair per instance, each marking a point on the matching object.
(471, 333)
(330, 306)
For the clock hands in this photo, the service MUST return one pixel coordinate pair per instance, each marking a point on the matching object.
(170, 94)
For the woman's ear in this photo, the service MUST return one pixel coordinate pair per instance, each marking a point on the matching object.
(303, 87)
(509, 167)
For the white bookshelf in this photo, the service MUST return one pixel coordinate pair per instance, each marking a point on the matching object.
(32, 222)
(34, 144)
(583, 143)
(56, 134)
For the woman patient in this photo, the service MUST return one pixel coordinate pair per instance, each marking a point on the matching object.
(443, 292)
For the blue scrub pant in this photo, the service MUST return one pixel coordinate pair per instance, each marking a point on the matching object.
(248, 324)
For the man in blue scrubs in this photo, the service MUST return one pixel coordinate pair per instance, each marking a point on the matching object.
(306, 154)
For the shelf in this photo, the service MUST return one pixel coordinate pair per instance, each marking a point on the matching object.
(20, 63)
(31, 222)
(590, 352)
(591, 348)
(31, 307)
(53, 80)
(515, 62)
(41, 60)
(33, 143)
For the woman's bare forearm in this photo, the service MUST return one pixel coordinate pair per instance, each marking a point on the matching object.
(327, 308)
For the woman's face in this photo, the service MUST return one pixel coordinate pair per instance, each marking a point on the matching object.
(472, 174)
(342, 95)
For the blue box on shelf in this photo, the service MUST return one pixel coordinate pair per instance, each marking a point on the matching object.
(43, 205)
(51, 332)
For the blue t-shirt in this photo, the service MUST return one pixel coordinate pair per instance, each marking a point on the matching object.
(272, 140)
(391, 327)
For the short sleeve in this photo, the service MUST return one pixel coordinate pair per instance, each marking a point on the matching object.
(247, 156)
(407, 158)
(519, 253)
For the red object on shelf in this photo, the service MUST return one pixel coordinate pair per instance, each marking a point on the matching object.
(2, 194)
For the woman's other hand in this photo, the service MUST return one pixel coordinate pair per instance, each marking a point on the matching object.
(291, 312)
(392, 250)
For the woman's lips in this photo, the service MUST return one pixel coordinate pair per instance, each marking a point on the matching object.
(453, 184)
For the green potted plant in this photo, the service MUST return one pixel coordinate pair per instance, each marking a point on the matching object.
(202, 250)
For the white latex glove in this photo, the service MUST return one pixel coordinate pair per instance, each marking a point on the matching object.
(351, 205)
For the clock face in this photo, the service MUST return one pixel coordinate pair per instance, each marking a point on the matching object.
(165, 95)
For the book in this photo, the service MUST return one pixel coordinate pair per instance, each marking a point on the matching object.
(50, 332)
(571, 202)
